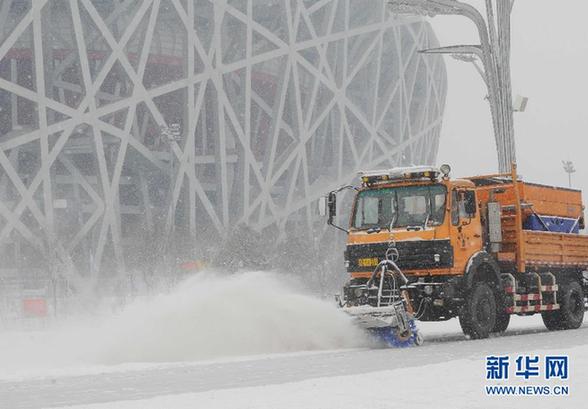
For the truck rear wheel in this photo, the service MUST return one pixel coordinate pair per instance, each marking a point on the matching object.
(552, 320)
(571, 308)
(478, 316)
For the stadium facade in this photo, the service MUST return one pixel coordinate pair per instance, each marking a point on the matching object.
(128, 127)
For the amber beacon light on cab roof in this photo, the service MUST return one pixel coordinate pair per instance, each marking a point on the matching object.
(422, 245)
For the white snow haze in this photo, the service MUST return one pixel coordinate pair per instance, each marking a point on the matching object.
(207, 316)
(218, 119)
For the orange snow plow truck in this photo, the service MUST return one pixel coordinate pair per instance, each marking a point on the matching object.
(480, 248)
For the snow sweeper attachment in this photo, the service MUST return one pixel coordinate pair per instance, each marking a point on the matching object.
(382, 307)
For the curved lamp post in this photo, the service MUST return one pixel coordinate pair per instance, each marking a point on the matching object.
(493, 52)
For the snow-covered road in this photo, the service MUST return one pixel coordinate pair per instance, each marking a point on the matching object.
(446, 366)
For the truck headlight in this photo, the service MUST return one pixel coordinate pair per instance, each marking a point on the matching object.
(358, 292)
(428, 289)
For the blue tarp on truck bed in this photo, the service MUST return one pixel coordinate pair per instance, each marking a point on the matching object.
(551, 223)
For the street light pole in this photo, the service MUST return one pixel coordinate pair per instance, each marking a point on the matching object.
(172, 134)
(494, 53)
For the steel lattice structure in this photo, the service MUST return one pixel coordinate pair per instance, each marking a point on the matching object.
(129, 122)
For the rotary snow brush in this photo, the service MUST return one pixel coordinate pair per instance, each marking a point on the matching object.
(382, 307)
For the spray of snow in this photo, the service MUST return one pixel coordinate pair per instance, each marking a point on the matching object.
(206, 317)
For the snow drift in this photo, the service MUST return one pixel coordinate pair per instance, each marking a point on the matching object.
(207, 316)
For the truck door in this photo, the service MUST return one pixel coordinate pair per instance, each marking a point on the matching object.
(466, 227)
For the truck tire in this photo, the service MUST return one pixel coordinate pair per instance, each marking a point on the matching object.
(478, 315)
(502, 321)
(552, 320)
(571, 308)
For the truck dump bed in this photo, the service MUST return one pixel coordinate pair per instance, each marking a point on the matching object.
(540, 224)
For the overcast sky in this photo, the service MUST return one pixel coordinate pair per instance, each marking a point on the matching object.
(550, 66)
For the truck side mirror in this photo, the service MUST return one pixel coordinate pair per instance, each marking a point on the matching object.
(322, 206)
(470, 207)
(332, 206)
(469, 199)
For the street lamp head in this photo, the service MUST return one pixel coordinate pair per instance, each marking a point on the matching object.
(411, 7)
(467, 57)
(422, 7)
(406, 10)
(568, 166)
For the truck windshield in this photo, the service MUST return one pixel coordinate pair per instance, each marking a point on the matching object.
(401, 206)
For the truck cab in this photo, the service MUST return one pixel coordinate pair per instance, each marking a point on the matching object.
(434, 222)
(465, 247)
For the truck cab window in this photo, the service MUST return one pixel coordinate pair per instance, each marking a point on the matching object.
(438, 200)
(401, 206)
(368, 211)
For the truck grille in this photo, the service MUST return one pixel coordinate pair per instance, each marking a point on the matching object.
(414, 255)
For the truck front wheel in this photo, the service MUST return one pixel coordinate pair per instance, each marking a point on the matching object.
(478, 315)
(571, 308)
(502, 320)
